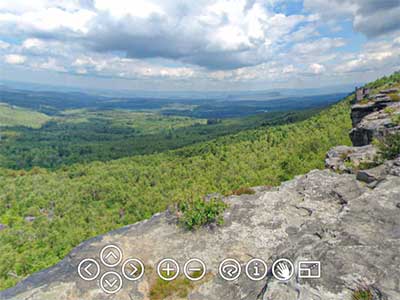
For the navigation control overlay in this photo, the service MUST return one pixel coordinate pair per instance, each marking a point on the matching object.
(113, 269)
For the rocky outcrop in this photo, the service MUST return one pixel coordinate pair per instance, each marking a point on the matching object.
(375, 125)
(349, 159)
(344, 217)
(373, 118)
(359, 111)
(354, 231)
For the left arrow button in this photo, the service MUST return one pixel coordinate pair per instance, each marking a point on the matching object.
(88, 269)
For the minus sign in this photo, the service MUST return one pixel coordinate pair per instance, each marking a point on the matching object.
(194, 269)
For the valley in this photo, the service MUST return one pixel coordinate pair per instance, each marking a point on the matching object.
(86, 172)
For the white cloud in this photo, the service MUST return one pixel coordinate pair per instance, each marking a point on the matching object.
(45, 18)
(370, 17)
(33, 43)
(122, 8)
(51, 64)
(4, 45)
(316, 69)
(14, 59)
(219, 34)
(209, 40)
(318, 46)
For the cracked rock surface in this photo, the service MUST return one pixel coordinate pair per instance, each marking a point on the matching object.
(353, 230)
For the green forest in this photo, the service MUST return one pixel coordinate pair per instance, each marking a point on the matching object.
(78, 173)
(46, 212)
(90, 135)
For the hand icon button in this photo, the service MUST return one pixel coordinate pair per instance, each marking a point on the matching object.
(282, 269)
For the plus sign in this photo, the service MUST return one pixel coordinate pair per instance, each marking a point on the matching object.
(168, 269)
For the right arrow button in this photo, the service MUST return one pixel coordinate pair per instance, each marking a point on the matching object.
(133, 269)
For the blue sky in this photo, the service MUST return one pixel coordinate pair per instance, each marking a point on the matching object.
(198, 45)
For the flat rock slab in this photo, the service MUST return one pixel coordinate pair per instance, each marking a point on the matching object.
(354, 231)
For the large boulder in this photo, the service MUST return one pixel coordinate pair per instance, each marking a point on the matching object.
(375, 125)
(359, 111)
(352, 230)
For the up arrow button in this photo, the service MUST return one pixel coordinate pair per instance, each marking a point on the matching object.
(111, 256)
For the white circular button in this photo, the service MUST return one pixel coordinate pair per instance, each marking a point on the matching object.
(283, 269)
(230, 269)
(111, 256)
(133, 269)
(88, 269)
(168, 269)
(256, 269)
(111, 282)
(194, 269)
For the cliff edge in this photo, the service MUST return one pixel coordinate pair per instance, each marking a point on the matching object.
(345, 217)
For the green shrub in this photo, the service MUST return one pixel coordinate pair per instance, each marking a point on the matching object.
(389, 147)
(178, 288)
(396, 119)
(362, 294)
(364, 101)
(394, 97)
(389, 110)
(198, 212)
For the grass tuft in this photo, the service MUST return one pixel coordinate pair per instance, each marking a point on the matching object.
(196, 213)
(362, 294)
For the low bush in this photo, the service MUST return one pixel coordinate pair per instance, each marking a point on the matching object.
(389, 110)
(394, 97)
(396, 119)
(198, 212)
(389, 147)
(362, 294)
(176, 289)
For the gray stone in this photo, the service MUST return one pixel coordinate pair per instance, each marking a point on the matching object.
(352, 230)
(361, 93)
(389, 91)
(346, 159)
(394, 167)
(359, 111)
(374, 174)
(375, 125)
(30, 219)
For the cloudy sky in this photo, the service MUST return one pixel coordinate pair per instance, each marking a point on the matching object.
(198, 45)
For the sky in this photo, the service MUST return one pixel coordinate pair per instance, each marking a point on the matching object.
(198, 45)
